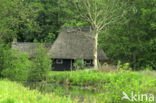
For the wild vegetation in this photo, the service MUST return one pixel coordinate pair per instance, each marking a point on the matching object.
(12, 92)
(129, 42)
(108, 87)
(41, 65)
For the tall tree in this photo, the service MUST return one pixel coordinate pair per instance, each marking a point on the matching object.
(47, 20)
(100, 14)
(134, 41)
(15, 16)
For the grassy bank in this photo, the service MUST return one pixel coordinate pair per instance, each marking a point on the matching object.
(94, 77)
(12, 92)
(110, 85)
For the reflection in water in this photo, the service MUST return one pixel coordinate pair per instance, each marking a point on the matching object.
(82, 94)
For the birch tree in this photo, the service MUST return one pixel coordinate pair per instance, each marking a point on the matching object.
(100, 14)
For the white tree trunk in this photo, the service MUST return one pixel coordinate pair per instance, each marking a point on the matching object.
(95, 51)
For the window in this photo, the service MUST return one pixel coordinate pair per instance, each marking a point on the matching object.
(59, 61)
(88, 62)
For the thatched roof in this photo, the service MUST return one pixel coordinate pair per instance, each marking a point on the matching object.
(72, 43)
(75, 44)
(29, 48)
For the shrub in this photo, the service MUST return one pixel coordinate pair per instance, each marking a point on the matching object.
(123, 67)
(41, 65)
(15, 65)
(79, 64)
(2, 55)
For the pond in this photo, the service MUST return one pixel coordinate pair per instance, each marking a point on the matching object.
(82, 94)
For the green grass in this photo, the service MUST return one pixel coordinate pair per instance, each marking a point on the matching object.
(92, 77)
(111, 84)
(108, 85)
(12, 92)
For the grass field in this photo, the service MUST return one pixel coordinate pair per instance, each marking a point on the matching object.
(109, 85)
(12, 92)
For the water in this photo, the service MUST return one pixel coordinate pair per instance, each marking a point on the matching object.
(82, 94)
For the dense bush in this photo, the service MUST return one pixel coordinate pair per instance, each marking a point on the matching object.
(3, 52)
(135, 40)
(15, 65)
(41, 65)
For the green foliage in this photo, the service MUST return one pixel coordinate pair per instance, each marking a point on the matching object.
(79, 64)
(134, 41)
(15, 65)
(124, 67)
(16, 19)
(41, 65)
(68, 15)
(3, 53)
(50, 38)
(47, 18)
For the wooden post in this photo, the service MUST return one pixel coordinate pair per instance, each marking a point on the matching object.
(71, 65)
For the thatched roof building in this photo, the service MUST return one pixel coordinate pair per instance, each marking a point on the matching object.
(71, 44)
(29, 48)
(75, 44)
